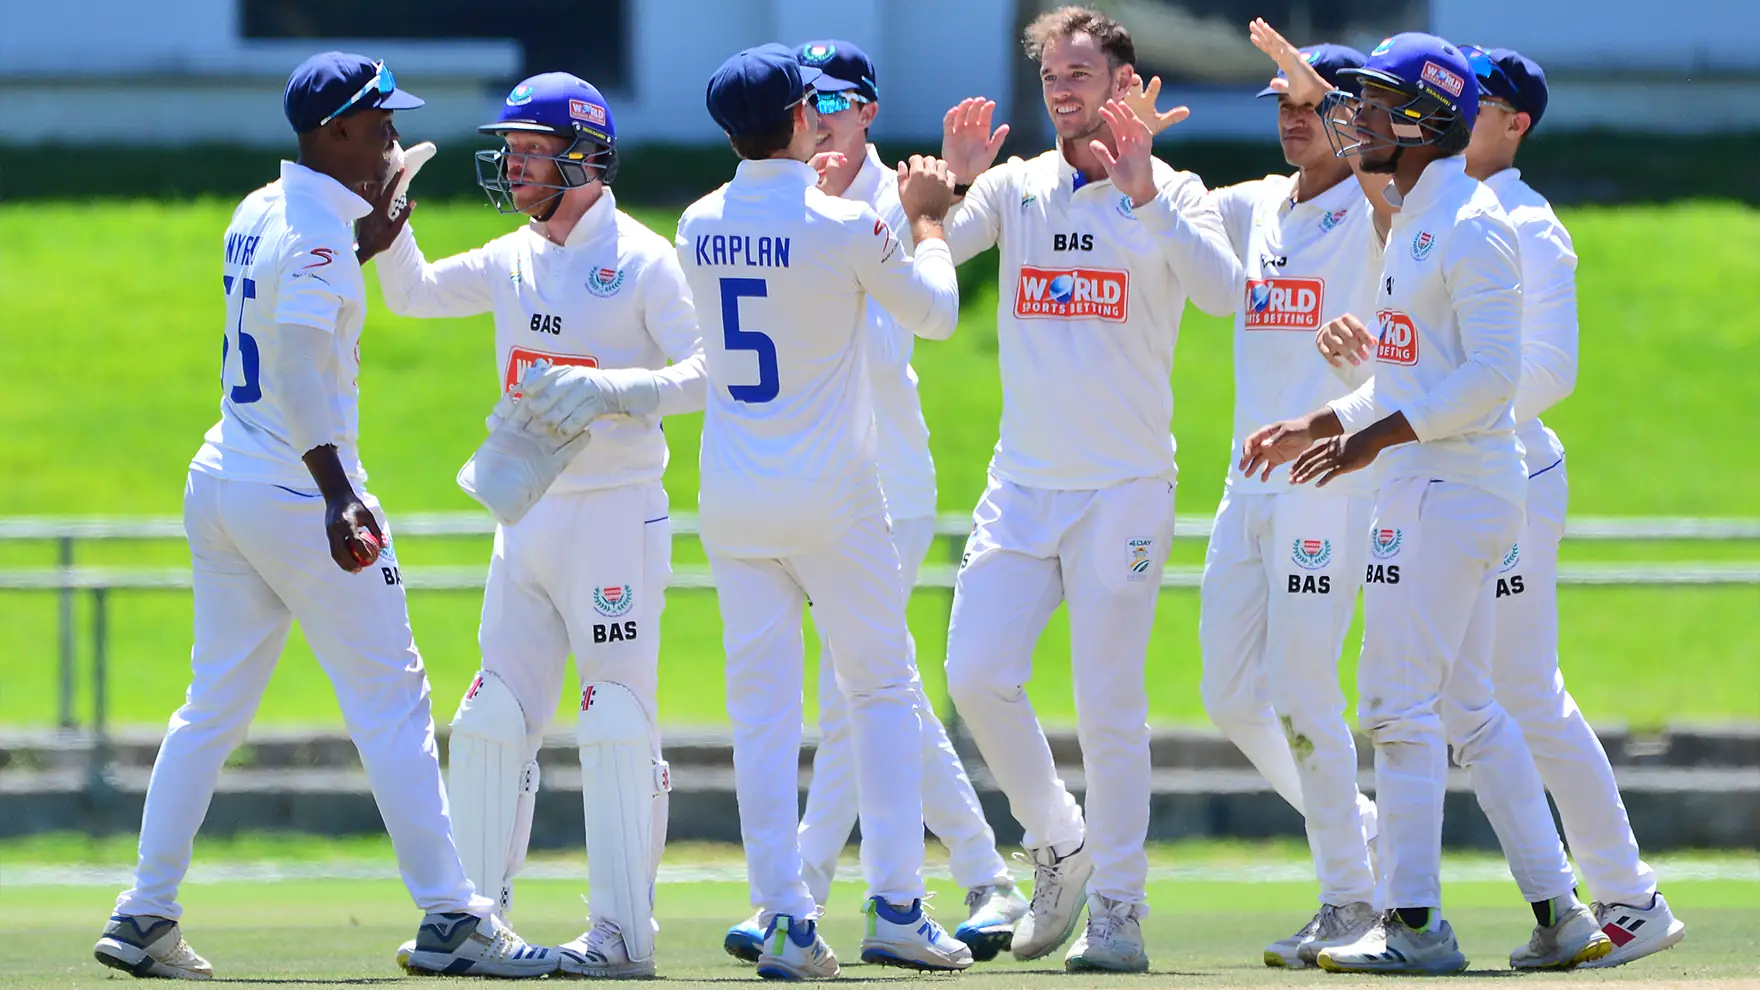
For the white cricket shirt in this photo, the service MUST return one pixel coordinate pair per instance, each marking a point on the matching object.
(1549, 315)
(1304, 264)
(288, 258)
(612, 296)
(1092, 292)
(907, 470)
(782, 273)
(1449, 314)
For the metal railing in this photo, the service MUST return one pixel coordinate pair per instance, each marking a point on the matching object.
(68, 578)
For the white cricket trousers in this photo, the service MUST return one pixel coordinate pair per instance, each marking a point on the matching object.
(261, 560)
(950, 806)
(583, 573)
(1102, 552)
(1531, 688)
(1428, 623)
(1280, 585)
(854, 585)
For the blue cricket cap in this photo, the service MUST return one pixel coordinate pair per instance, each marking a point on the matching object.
(331, 84)
(1328, 60)
(753, 91)
(847, 68)
(1419, 64)
(1510, 76)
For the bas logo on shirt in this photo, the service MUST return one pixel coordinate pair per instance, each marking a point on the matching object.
(1072, 294)
(1399, 338)
(1284, 303)
(521, 359)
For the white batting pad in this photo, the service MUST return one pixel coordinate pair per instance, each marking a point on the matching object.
(486, 782)
(620, 778)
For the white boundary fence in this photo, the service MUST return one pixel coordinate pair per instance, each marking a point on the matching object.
(69, 578)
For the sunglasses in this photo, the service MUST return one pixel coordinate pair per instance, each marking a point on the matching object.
(1483, 68)
(830, 103)
(382, 80)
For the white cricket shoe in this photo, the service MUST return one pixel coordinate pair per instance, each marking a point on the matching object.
(1574, 940)
(994, 911)
(466, 945)
(1060, 889)
(910, 939)
(1113, 941)
(745, 941)
(1389, 946)
(794, 950)
(1333, 924)
(147, 945)
(599, 953)
(1637, 931)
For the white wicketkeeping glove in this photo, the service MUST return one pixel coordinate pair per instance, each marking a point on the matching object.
(566, 399)
(517, 464)
(411, 161)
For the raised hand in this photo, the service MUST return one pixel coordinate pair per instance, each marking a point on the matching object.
(1344, 339)
(1306, 86)
(967, 143)
(375, 231)
(1131, 169)
(1141, 100)
(925, 188)
(824, 161)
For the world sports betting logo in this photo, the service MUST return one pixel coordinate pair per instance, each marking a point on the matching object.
(1399, 338)
(1072, 294)
(1284, 303)
(521, 359)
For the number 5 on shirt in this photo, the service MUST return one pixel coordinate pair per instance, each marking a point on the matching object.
(248, 358)
(769, 382)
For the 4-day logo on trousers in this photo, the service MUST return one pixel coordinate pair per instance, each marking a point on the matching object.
(1140, 562)
(613, 600)
(1311, 555)
(1384, 543)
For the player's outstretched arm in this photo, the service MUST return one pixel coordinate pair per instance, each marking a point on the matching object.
(462, 285)
(920, 292)
(670, 315)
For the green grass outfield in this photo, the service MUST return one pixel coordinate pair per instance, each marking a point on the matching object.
(1215, 906)
(111, 313)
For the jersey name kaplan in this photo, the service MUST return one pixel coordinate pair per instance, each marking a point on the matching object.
(1072, 294)
(1284, 303)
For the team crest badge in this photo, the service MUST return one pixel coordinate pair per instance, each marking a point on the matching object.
(604, 282)
(1311, 555)
(818, 54)
(1421, 245)
(1511, 559)
(521, 95)
(1331, 220)
(613, 600)
(1124, 207)
(1384, 543)
(1140, 563)
(1027, 199)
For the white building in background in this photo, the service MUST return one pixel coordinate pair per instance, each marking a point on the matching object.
(181, 71)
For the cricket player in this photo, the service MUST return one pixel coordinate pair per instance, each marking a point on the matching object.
(281, 527)
(584, 288)
(790, 505)
(1449, 503)
(1524, 661)
(1285, 562)
(907, 479)
(1101, 245)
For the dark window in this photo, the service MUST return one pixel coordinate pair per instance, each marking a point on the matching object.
(585, 37)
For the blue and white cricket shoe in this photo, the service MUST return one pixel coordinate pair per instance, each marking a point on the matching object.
(144, 945)
(465, 945)
(745, 941)
(995, 910)
(910, 939)
(794, 950)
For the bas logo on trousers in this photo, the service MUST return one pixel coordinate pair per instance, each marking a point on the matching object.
(614, 632)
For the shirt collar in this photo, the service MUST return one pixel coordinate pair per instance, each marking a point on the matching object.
(1340, 196)
(334, 195)
(866, 185)
(602, 214)
(776, 171)
(1508, 177)
(1437, 177)
(1068, 175)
